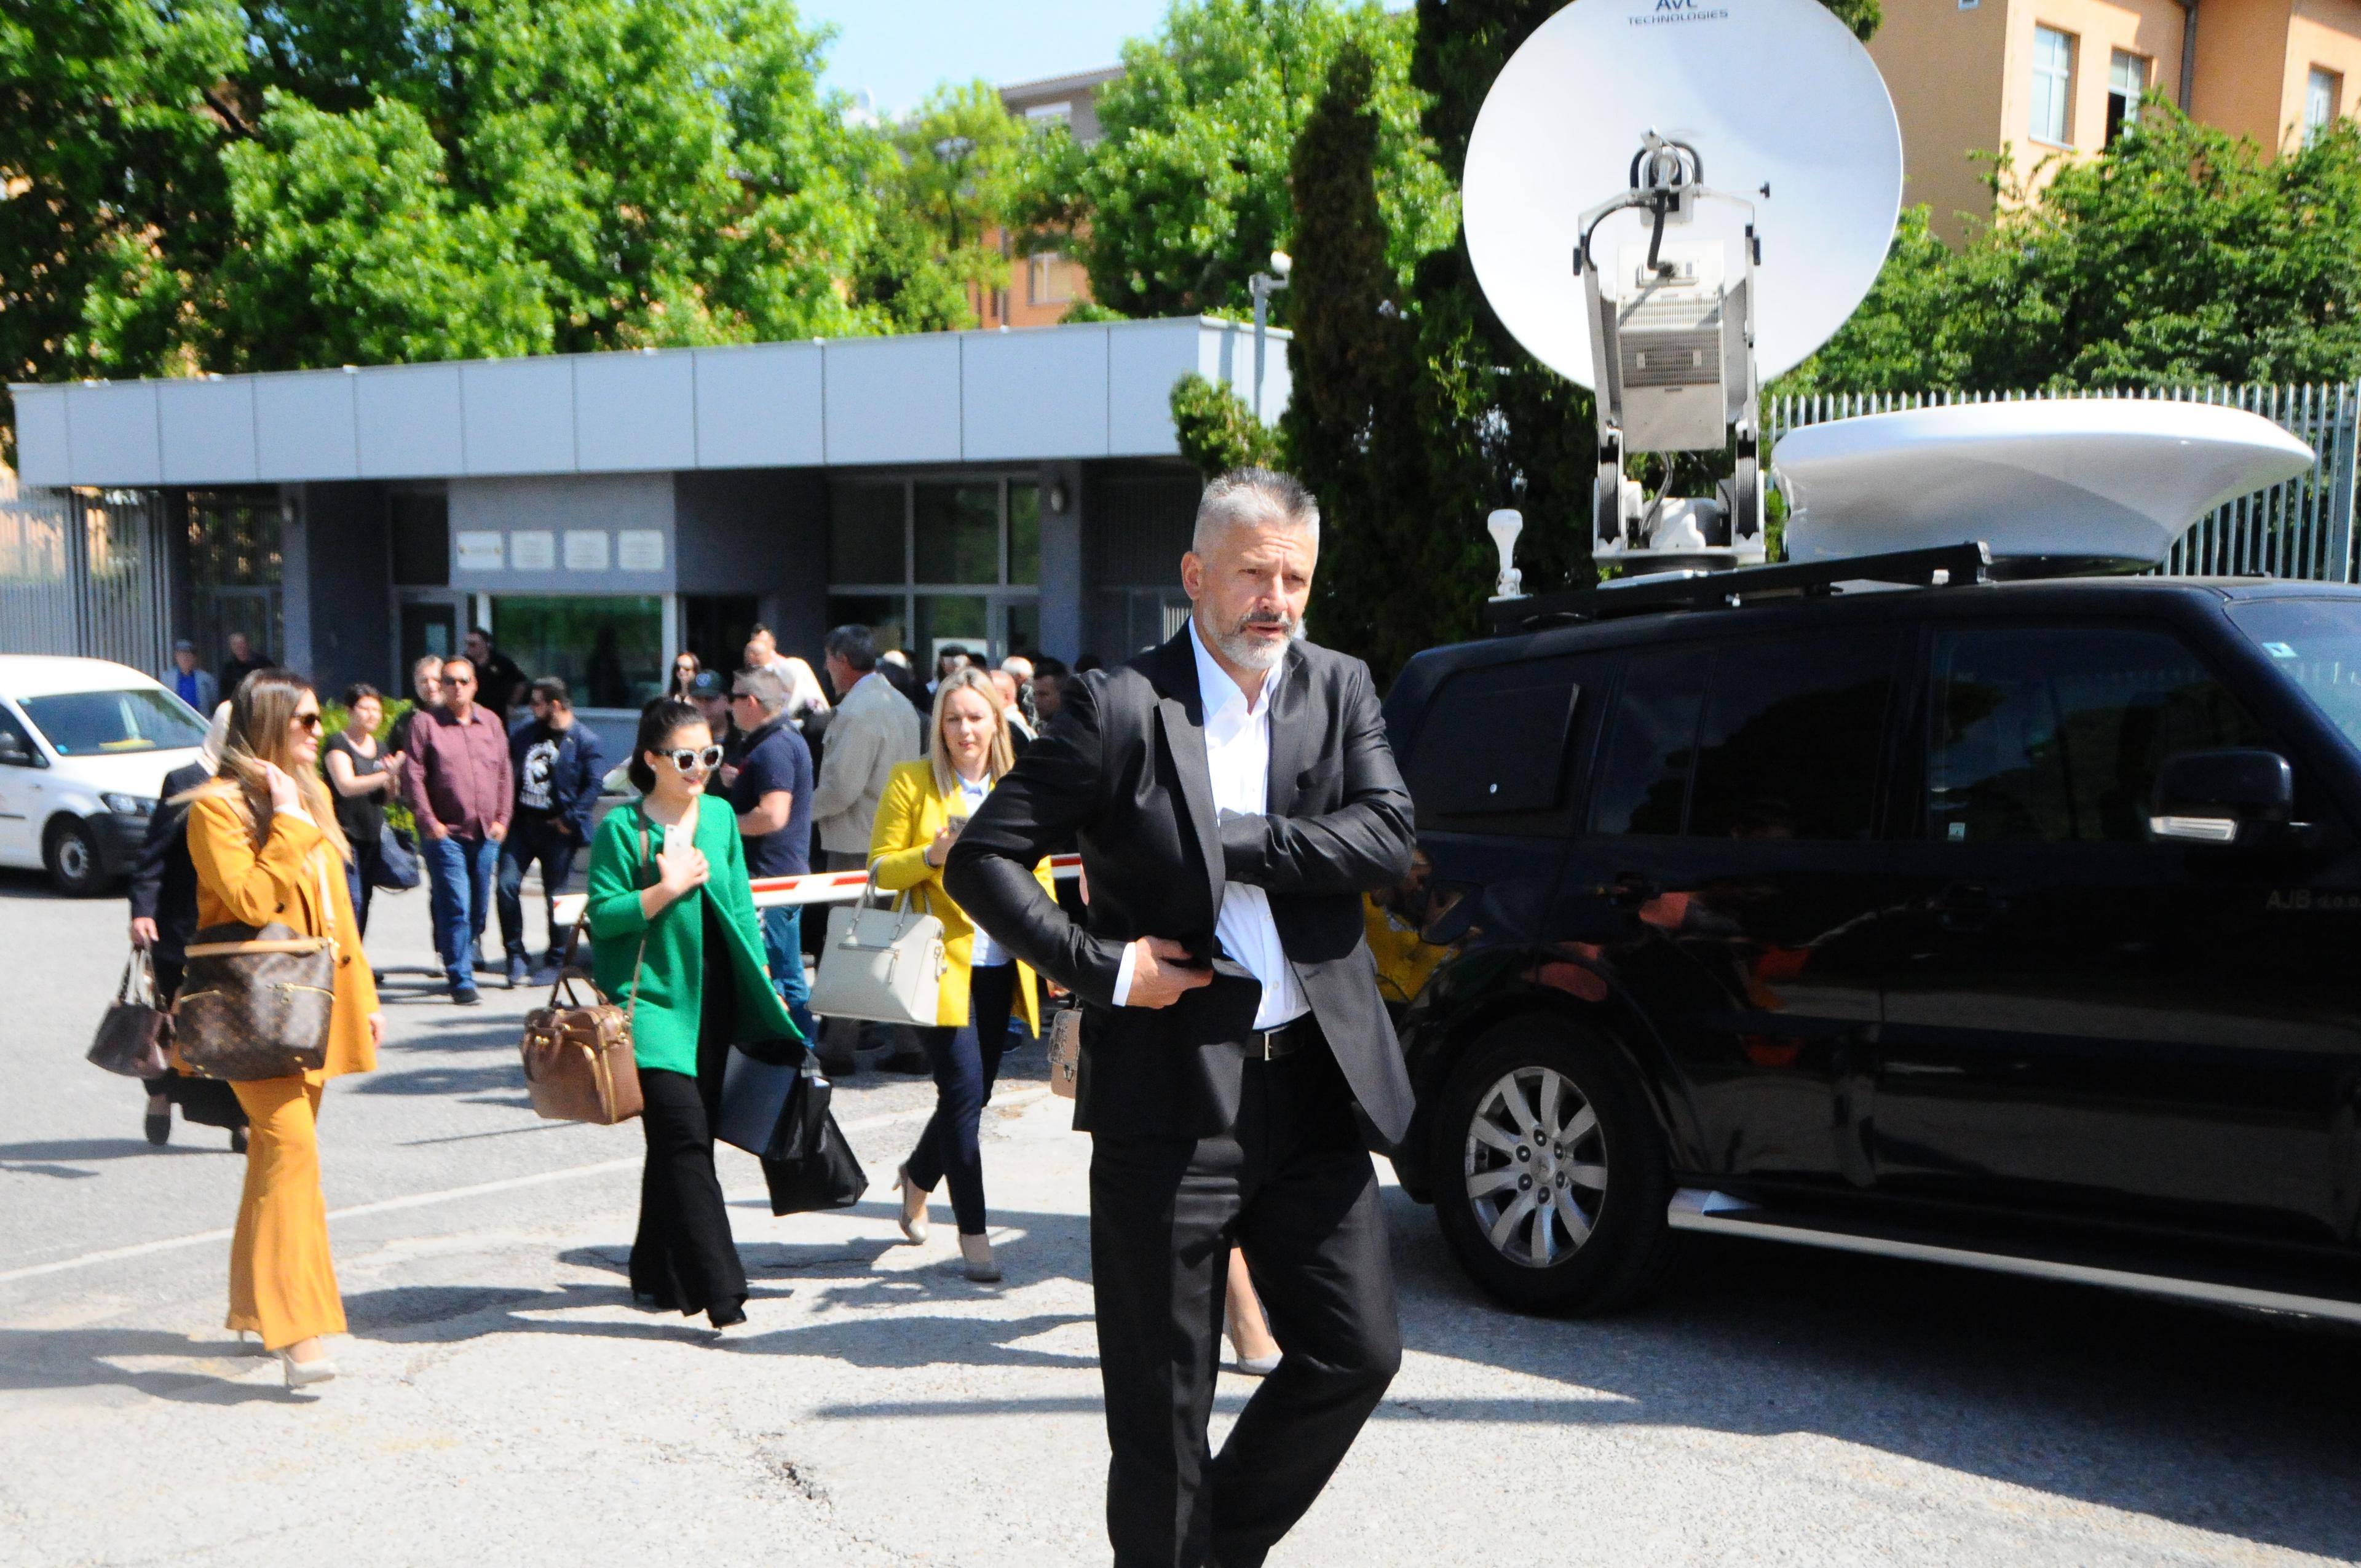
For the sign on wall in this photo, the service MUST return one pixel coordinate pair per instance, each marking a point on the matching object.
(586, 549)
(640, 549)
(532, 549)
(479, 550)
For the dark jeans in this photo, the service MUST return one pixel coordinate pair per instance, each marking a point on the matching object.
(530, 841)
(782, 944)
(462, 899)
(965, 1064)
(367, 856)
(1291, 1183)
(682, 1258)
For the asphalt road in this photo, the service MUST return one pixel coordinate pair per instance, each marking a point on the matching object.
(503, 1403)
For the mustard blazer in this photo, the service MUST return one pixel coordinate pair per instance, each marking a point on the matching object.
(281, 881)
(908, 818)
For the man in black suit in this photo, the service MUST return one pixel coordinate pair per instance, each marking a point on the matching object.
(1233, 797)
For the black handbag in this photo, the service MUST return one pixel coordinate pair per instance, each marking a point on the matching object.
(756, 1096)
(396, 870)
(812, 1166)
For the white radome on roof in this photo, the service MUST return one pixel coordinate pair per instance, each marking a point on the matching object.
(2096, 480)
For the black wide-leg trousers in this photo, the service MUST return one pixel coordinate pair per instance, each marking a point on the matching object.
(1291, 1184)
(684, 1258)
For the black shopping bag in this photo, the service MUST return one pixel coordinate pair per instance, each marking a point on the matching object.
(810, 1166)
(756, 1096)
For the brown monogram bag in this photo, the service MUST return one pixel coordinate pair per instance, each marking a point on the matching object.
(132, 1036)
(257, 1001)
(578, 1065)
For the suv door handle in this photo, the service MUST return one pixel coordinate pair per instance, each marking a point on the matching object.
(1967, 908)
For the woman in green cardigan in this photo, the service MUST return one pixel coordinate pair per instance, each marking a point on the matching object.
(673, 917)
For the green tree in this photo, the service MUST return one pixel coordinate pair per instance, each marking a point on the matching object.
(1185, 196)
(946, 181)
(2181, 254)
(1217, 430)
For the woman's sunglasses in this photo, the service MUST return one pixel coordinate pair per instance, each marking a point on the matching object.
(308, 720)
(704, 762)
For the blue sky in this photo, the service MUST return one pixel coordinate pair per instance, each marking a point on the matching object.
(899, 49)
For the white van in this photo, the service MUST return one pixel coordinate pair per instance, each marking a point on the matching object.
(84, 746)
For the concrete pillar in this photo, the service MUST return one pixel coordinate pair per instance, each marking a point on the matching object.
(1063, 578)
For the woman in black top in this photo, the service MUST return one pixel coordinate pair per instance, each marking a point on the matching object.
(363, 776)
(686, 667)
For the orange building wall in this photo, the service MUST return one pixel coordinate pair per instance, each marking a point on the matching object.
(2150, 28)
(2242, 65)
(1943, 68)
(2327, 34)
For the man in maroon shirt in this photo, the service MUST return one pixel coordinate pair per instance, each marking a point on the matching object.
(457, 780)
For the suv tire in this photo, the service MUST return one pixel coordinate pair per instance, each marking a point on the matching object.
(1570, 1222)
(69, 852)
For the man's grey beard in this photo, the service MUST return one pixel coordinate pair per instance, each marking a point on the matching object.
(1242, 650)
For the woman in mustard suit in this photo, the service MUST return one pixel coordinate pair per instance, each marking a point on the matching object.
(925, 805)
(264, 839)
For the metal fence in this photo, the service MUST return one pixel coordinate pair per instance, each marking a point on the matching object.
(2301, 529)
(85, 571)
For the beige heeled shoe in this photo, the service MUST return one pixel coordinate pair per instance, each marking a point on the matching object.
(914, 1207)
(982, 1266)
(303, 1374)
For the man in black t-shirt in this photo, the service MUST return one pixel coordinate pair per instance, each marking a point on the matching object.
(769, 789)
(501, 685)
(557, 764)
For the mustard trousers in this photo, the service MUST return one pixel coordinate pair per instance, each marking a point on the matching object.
(282, 1283)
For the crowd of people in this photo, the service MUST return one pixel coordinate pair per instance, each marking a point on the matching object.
(1233, 797)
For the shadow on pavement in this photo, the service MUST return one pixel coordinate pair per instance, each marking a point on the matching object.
(11, 1154)
(224, 1373)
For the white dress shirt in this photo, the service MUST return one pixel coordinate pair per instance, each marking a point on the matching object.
(1238, 751)
(986, 953)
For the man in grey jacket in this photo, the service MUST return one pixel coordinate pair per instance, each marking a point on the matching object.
(873, 731)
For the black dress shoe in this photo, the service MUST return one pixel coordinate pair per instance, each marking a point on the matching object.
(519, 974)
(159, 1128)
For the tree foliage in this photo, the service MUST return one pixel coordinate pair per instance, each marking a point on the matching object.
(946, 180)
(1185, 196)
(2181, 254)
(1216, 431)
(210, 185)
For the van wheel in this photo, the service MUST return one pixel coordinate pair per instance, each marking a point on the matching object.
(1550, 1173)
(71, 856)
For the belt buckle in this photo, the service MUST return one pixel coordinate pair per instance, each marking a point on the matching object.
(1267, 1039)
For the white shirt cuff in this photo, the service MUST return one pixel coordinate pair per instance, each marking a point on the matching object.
(1123, 975)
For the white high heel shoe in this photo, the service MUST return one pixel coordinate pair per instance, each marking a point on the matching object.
(914, 1207)
(303, 1374)
(982, 1266)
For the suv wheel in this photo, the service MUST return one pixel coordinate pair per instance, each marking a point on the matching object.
(71, 856)
(1550, 1172)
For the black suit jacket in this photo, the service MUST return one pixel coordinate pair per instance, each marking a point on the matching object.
(1122, 773)
(164, 881)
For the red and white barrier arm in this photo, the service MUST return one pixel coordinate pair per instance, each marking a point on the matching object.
(819, 887)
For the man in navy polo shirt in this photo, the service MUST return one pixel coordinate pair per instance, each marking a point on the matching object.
(769, 788)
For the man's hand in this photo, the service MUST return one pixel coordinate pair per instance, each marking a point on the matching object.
(1158, 977)
(497, 832)
(436, 830)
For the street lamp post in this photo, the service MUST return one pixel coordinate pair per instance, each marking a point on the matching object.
(1262, 286)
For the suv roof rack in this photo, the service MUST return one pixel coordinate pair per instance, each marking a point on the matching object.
(1969, 562)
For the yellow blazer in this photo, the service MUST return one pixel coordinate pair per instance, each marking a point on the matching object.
(281, 881)
(908, 818)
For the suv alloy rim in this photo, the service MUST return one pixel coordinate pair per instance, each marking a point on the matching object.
(1535, 1167)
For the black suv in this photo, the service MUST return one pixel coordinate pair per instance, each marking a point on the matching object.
(2016, 924)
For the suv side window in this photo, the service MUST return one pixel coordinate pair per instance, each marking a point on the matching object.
(1491, 755)
(1768, 738)
(2054, 735)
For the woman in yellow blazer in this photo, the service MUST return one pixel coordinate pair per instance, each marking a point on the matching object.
(263, 835)
(925, 805)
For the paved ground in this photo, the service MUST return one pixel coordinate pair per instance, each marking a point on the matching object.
(503, 1403)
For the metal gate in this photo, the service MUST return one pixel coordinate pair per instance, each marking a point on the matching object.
(85, 571)
(2301, 529)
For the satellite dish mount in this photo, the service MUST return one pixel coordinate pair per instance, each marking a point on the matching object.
(1672, 348)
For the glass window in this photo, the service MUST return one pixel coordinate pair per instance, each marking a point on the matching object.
(1492, 746)
(1024, 534)
(946, 619)
(1051, 279)
(1793, 733)
(2054, 735)
(864, 534)
(1024, 627)
(421, 540)
(957, 532)
(2053, 86)
(89, 724)
(2315, 646)
(608, 649)
(2322, 93)
(1644, 781)
(15, 751)
(887, 616)
(2126, 80)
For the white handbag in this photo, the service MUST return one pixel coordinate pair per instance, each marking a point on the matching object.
(881, 964)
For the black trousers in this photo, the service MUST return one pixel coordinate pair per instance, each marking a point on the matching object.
(531, 837)
(1291, 1184)
(965, 1062)
(682, 1258)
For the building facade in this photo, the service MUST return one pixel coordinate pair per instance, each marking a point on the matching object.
(1002, 490)
(1044, 285)
(2048, 77)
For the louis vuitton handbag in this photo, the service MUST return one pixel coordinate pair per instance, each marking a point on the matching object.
(578, 1065)
(883, 964)
(257, 1000)
(132, 1036)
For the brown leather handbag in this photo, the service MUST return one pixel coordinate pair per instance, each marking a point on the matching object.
(257, 1002)
(578, 1065)
(132, 1036)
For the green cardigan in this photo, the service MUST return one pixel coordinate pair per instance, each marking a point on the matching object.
(663, 1001)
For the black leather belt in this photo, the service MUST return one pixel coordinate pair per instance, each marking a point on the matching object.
(1270, 1045)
